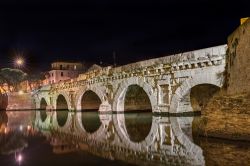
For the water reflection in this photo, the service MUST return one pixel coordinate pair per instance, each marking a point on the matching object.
(134, 138)
(62, 117)
(15, 128)
(91, 121)
(138, 125)
(43, 115)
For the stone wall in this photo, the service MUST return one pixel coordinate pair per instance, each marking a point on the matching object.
(3, 101)
(238, 60)
(20, 101)
(226, 117)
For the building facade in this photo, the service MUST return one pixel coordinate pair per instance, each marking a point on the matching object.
(61, 71)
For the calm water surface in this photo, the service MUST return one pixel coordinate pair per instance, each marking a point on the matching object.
(89, 138)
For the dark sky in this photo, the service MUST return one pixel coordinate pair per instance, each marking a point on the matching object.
(90, 30)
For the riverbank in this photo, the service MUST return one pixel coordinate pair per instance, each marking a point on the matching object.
(226, 117)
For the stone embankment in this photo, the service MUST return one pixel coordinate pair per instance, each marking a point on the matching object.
(20, 101)
(226, 117)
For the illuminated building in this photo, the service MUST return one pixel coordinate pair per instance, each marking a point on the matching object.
(62, 71)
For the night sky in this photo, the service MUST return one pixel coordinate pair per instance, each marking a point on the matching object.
(90, 31)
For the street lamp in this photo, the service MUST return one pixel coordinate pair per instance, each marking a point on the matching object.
(19, 62)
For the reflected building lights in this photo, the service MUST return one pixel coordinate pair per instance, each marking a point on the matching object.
(21, 127)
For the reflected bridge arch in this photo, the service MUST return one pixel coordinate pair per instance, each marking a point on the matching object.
(121, 130)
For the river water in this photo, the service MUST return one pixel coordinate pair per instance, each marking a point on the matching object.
(88, 138)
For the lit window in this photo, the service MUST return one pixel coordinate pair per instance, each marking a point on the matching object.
(75, 67)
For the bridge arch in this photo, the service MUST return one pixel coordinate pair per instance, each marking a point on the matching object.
(92, 95)
(43, 103)
(41, 100)
(188, 84)
(62, 101)
(119, 99)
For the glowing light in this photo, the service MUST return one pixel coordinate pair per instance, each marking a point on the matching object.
(5, 130)
(20, 92)
(28, 127)
(19, 62)
(19, 158)
(21, 128)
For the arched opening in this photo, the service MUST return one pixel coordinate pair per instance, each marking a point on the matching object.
(90, 104)
(61, 103)
(3, 101)
(138, 125)
(201, 94)
(90, 101)
(62, 110)
(136, 99)
(43, 105)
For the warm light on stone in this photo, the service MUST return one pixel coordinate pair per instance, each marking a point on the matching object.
(242, 20)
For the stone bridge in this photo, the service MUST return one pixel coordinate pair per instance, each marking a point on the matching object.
(163, 85)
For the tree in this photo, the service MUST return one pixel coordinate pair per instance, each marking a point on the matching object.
(12, 76)
(2, 80)
(35, 77)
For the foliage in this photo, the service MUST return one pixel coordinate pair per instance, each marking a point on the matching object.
(2, 80)
(12, 76)
(35, 77)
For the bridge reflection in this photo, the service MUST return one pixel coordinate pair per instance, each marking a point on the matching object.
(137, 138)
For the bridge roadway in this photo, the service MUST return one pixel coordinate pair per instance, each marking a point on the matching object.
(166, 81)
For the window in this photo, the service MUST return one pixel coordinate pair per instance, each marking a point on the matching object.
(75, 67)
(61, 74)
(61, 67)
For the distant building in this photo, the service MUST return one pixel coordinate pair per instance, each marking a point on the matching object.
(61, 71)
